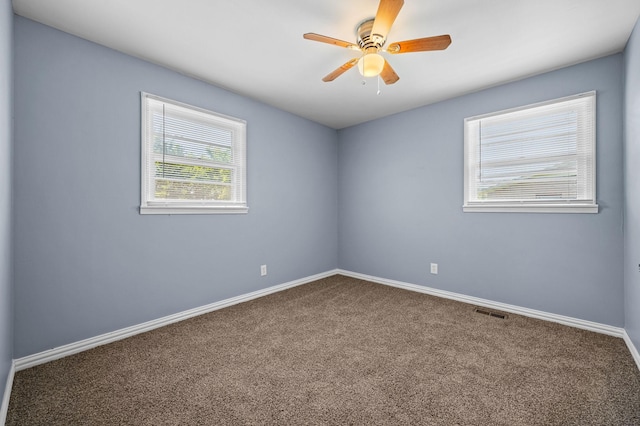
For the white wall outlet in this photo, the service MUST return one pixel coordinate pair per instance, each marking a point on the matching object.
(263, 270)
(434, 268)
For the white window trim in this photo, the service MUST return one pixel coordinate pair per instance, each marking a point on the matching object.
(500, 206)
(148, 206)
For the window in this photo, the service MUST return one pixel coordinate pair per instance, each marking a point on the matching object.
(537, 158)
(193, 160)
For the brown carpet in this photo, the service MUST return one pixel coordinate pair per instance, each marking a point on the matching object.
(345, 352)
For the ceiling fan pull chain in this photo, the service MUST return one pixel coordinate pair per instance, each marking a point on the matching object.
(364, 80)
(378, 92)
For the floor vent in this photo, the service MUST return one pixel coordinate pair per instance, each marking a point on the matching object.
(490, 314)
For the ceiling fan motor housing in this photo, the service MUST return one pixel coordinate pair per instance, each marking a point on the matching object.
(369, 43)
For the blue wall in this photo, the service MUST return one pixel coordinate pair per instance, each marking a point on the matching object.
(632, 187)
(85, 261)
(383, 198)
(6, 102)
(401, 195)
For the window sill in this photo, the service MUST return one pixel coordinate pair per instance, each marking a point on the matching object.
(539, 208)
(194, 209)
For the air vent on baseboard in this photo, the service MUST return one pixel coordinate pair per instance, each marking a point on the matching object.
(490, 313)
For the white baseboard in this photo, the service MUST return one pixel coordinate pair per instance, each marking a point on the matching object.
(103, 339)
(572, 322)
(83, 345)
(4, 408)
(632, 348)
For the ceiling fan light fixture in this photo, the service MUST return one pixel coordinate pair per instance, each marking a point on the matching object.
(371, 64)
(372, 36)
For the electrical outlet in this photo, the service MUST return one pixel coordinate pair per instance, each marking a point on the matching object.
(263, 270)
(434, 268)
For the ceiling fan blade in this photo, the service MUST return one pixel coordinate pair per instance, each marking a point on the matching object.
(420, 44)
(330, 40)
(341, 70)
(387, 12)
(388, 75)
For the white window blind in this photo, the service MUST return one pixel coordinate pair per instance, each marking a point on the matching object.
(193, 160)
(537, 158)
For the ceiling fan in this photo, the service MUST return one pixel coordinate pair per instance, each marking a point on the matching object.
(372, 36)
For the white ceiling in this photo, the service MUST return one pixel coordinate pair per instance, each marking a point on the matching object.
(255, 47)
